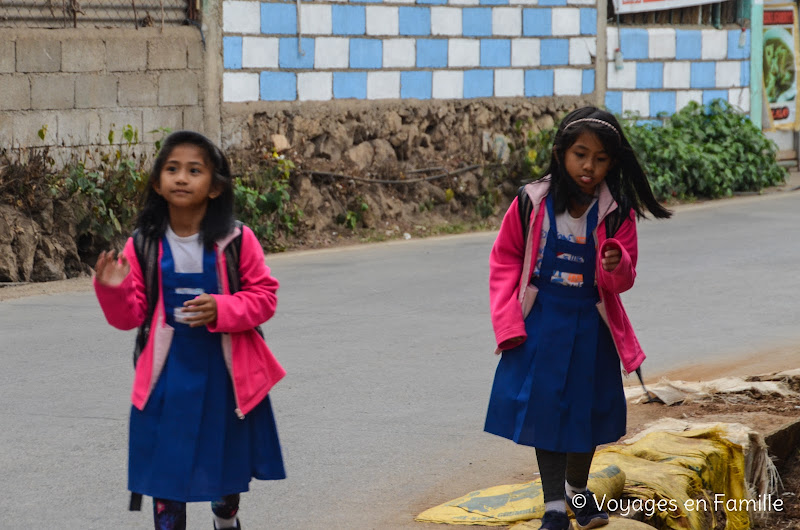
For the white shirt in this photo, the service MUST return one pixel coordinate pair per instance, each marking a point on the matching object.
(187, 252)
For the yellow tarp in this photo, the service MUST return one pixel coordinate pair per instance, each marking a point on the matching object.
(676, 481)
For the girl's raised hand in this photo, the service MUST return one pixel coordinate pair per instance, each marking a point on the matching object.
(611, 259)
(200, 311)
(111, 271)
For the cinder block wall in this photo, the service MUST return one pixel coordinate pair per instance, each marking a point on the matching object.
(82, 84)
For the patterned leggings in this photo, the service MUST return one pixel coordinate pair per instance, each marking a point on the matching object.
(171, 515)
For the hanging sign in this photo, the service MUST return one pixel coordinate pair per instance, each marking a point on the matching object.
(781, 46)
(639, 6)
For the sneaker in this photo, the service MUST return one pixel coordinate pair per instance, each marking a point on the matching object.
(237, 527)
(587, 513)
(554, 520)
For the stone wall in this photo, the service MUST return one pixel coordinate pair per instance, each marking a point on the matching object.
(83, 84)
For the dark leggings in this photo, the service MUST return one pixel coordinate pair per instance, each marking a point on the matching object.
(554, 467)
(171, 515)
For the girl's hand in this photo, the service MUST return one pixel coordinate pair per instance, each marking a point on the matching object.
(611, 259)
(200, 311)
(111, 271)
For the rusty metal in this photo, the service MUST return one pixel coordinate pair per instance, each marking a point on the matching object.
(96, 13)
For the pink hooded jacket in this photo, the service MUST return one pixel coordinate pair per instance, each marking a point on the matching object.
(252, 367)
(511, 294)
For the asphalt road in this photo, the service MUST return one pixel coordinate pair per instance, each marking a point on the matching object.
(388, 350)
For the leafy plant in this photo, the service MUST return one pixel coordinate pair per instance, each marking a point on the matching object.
(352, 218)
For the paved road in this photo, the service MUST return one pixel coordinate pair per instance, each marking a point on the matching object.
(388, 353)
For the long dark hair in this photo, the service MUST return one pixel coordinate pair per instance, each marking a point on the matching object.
(219, 219)
(626, 179)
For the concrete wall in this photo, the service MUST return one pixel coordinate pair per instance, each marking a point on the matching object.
(408, 49)
(665, 68)
(81, 85)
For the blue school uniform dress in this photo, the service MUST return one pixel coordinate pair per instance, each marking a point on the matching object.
(188, 444)
(561, 389)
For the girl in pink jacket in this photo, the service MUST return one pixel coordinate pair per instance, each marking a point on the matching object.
(201, 424)
(554, 286)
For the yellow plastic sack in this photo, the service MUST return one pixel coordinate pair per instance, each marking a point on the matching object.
(504, 505)
(692, 473)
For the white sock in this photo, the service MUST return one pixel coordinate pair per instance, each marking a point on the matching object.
(220, 523)
(556, 506)
(572, 490)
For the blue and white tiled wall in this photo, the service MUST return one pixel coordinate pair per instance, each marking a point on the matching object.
(665, 68)
(401, 49)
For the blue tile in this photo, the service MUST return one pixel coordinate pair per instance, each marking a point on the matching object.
(703, 75)
(432, 2)
(278, 86)
(711, 95)
(634, 43)
(416, 85)
(746, 73)
(350, 85)
(495, 52)
(552, 2)
(734, 51)
(588, 82)
(554, 52)
(588, 21)
(476, 21)
(649, 123)
(278, 19)
(537, 22)
(649, 75)
(688, 44)
(478, 83)
(493, 2)
(232, 53)
(366, 53)
(538, 83)
(348, 20)
(414, 20)
(288, 56)
(432, 53)
(614, 102)
(662, 102)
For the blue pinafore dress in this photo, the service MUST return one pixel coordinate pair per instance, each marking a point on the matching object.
(188, 444)
(561, 389)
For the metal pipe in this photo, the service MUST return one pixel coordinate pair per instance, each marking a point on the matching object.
(716, 15)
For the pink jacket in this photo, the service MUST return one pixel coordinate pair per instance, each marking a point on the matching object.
(252, 367)
(511, 294)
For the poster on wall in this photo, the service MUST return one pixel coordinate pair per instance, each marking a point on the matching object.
(622, 7)
(781, 46)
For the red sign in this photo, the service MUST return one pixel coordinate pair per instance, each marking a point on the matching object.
(772, 18)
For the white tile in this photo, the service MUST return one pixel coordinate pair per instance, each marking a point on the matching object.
(677, 74)
(331, 52)
(445, 20)
(382, 20)
(239, 86)
(581, 50)
(315, 86)
(394, 1)
(683, 97)
(714, 44)
(448, 84)
(259, 52)
(463, 52)
(581, 2)
(524, 2)
(316, 19)
(525, 52)
(661, 43)
(567, 82)
(460, 2)
(612, 42)
(740, 97)
(729, 74)
(399, 53)
(507, 21)
(637, 102)
(383, 85)
(625, 78)
(509, 83)
(241, 17)
(566, 21)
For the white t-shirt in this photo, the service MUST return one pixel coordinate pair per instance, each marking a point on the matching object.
(187, 252)
(570, 229)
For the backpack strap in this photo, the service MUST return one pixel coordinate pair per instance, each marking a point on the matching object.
(525, 208)
(147, 255)
(232, 254)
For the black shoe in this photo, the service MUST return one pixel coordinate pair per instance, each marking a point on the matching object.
(587, 513)
(554, 520)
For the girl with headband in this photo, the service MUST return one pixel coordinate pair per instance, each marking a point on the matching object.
(566, 249)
